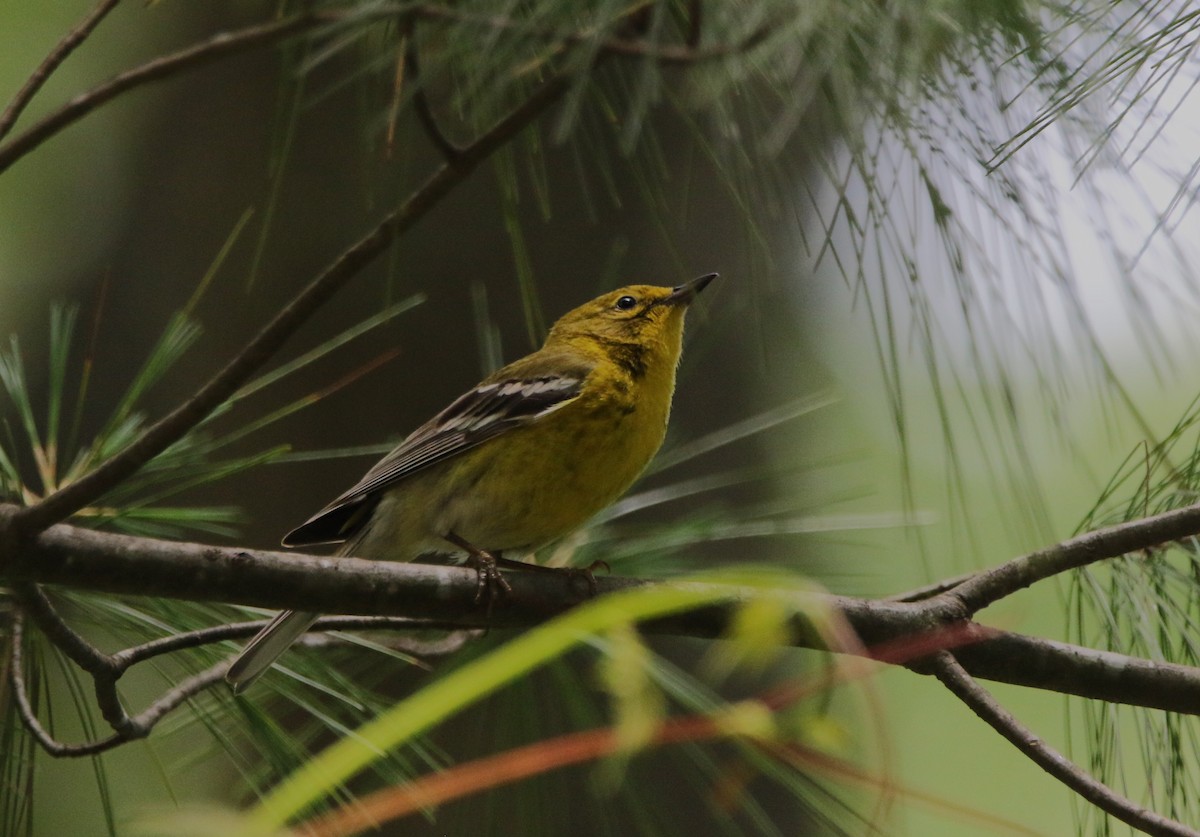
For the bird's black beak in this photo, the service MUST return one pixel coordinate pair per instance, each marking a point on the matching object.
(686, 292)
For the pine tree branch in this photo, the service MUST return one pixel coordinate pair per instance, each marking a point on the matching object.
(123, 564)
(964, 687)
(219, 46)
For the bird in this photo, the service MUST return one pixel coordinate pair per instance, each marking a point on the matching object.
(521, 460)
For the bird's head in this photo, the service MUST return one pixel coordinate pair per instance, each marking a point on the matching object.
(648, 315)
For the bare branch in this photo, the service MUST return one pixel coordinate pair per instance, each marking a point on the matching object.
(219, 46)
(985, 588)
(139, 726)
(106, 670)
(144, 721)
(50, 63)
(143, 566)
(16, 675)
(85, 655)
(99, 665)
(928, 591)
(1053, 762)
(244, 630)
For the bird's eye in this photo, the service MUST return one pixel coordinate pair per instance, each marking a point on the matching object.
(625, 303)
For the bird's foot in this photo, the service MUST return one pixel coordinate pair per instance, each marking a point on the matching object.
(490, 582)
(588, 573)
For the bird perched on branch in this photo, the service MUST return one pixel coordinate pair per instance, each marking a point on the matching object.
(523, 459)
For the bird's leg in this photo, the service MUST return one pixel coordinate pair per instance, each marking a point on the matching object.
(490, 580)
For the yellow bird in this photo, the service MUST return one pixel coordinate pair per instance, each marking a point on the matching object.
(523, 459)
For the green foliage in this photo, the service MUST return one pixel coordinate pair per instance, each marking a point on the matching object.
(36, 442)
(1146, 605)
(906, 158)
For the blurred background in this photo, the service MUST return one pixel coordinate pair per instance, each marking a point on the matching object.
(950, 350)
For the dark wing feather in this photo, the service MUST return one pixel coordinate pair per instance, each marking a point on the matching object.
(492, 408)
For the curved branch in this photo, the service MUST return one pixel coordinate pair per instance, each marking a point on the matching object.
(106, 670)
(100, 666)
(69, 43)
(956, 679)
(450, 152)
(82, 653)
(985, 588)
(218, 46)
(138, 726)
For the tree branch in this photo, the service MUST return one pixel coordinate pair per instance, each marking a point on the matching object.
(100, 666)
(985, 588)
(450, 152)
(123, 564)
(50, 63)
(218, 46)
(128, 657)
(106, 670)
(1053, 762)
(132, 728)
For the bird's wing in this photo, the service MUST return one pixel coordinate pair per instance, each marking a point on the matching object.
(503, 402)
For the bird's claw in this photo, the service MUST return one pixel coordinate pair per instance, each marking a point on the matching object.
(588, 573)
(490, 582)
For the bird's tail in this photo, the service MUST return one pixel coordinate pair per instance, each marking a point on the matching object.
(262, 651)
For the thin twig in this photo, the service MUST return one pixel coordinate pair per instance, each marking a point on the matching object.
(976, 698)
(50, 63)
(218, 46)
(990, 586)
(85, 655)
(100, 666)
(242, 630)
(105, 669)
(145, 720)
(451, 152)
(139, 726)
(16, 677)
